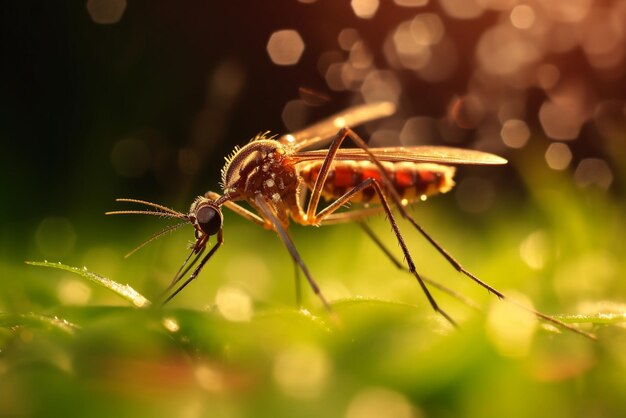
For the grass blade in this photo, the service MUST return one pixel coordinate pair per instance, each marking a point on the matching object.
(608, 318)
(123, 290)
(31, 319)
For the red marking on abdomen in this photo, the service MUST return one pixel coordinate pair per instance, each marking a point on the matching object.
(343, 176)
(411, 180)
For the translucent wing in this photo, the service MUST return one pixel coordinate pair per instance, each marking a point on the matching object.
(322, 132)
(417, 154)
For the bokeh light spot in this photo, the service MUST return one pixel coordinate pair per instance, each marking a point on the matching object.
(384, 138)
(466, 112)
(238, 272)
(462, 9)
(502, 50)
(610, 120)
(411, 3)
(510, 328)
(209, 378)
(73, 292)
(381, 86)
(360, 56)
(567, 10)
(586, 276)
(365, 9)
(418, 130)
(381, 402)
(55, 237)
(406, 49)
(427, 29)
(515, 133)
(534, 250)
(302, 371)
(547, 76)
(593, 172)
(604, 33)
(106, 12)
(171, 324)
(560, 120)
(334, 78)
(558, 156)
(347, 38)
(285, 47)
(234, 304)
(441, 63)
(522, 16)
(295, 114)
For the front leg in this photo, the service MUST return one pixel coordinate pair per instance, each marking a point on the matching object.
(268, 212)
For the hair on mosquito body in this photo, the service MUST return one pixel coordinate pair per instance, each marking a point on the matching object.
(284, 178)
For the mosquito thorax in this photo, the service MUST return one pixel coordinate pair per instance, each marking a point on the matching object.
(205, 216)
(262, 166)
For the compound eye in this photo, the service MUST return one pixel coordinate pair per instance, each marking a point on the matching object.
(209, 220)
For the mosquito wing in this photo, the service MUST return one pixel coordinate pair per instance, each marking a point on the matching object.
(323, 132)
(417, 154)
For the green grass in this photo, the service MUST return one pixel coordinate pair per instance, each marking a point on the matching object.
(83, 342)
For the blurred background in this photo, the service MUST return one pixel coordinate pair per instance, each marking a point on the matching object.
(108, 98)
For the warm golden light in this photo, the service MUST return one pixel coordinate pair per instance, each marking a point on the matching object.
(560, 120)
(462, 9)
(503, 51)
(234, 304)
(522, 16)
(380, 86)
(380, 402)
(73, 292)
(510, 328)
(558, 156)
(302, 371)
(515, 133)
(285, 47)
(365, 9)
(411, 3)
(347, 38)
(533, 250)
(427, 29)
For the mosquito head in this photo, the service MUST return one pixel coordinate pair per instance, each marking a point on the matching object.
(206, 217)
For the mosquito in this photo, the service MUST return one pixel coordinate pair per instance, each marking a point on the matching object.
(283, 179)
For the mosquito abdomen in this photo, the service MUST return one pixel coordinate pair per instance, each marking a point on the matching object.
(411, 180)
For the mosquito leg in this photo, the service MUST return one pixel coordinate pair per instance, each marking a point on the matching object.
(239, 210)
(370, 182)
(353, 215)
(182, 271)
(316, 192)
(298, 283)
(246, 214)
(218, 244)
(284, 236)
(347, 132)
(368, 231)
(393, 194)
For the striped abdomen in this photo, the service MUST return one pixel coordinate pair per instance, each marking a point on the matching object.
(411, 180)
